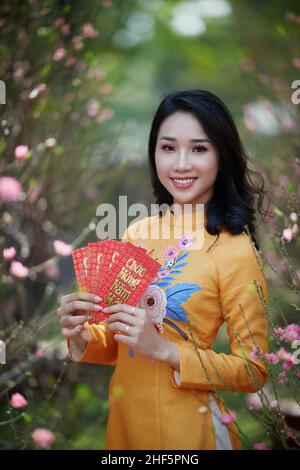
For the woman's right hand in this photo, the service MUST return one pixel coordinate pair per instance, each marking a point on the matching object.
(74, 310)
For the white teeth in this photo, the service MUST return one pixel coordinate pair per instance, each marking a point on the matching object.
(184, 181)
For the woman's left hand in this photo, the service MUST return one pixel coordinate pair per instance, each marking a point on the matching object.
(141, 334)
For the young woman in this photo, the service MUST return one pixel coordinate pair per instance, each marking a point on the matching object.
(166, 372)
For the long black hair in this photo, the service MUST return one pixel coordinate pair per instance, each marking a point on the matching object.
(233, 203)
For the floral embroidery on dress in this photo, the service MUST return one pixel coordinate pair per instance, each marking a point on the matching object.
(163, 303)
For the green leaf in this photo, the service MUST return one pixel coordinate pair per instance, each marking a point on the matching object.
(58, 150)
(27, 417)
(83, 392)
(2, 146)
(278, 212)
(43, 32)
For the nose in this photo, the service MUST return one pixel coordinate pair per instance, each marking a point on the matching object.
(182, 161)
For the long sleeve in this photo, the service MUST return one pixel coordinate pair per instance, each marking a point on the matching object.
(102, 348)
(239, 269)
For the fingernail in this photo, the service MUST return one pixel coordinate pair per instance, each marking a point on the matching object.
(97, 298)
(98, 307)
(106, 309)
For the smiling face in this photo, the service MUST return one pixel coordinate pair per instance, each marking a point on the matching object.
(186, 160)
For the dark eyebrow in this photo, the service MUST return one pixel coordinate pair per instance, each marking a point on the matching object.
(164, 137)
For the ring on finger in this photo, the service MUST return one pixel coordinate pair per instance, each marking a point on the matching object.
(126, 329)
(132, 310)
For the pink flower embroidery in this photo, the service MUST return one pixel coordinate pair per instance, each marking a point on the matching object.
(170, 252)
(185, 242)
(154, 302)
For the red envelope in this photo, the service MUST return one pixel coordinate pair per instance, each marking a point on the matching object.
(80, 258)
(119, 272)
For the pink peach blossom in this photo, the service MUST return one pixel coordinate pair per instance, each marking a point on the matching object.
(260, 446)
(254, 401)
(18, 270)
(18, 401)
(62, 248)
(10, 189)
(43, 437)
(51, 270)
(287, 234)
(89, 31)
(59, 54)
(9, 253)
(296, 62)
(272, 358)
(92, 107)
(21, 152)
(39, 353)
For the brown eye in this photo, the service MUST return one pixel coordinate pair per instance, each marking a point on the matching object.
(165, 147)
(200, 148)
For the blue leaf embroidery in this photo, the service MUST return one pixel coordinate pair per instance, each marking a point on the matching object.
(176, 295)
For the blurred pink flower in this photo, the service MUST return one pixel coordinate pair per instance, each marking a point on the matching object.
(228, 418)
(93, 107)
(272, 358)
(284, 355)
(21, 152)
(39, 353)
(254, 401)
(51, 270)
(106, 89)
(65, 29)
(10, 189)
(77, 41)
(105, 115)
(72, 60)
(62, 248)
(59, 54)
(43, 437)
(292, 17)
(260, 446)
(106, 3)
(59, 22)
(287, 234)
(9, 253)
(18, 401)
(296, 62)
(290, 333)
(281, 377)
(18, 270)
(89, 31)
(33, 193)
